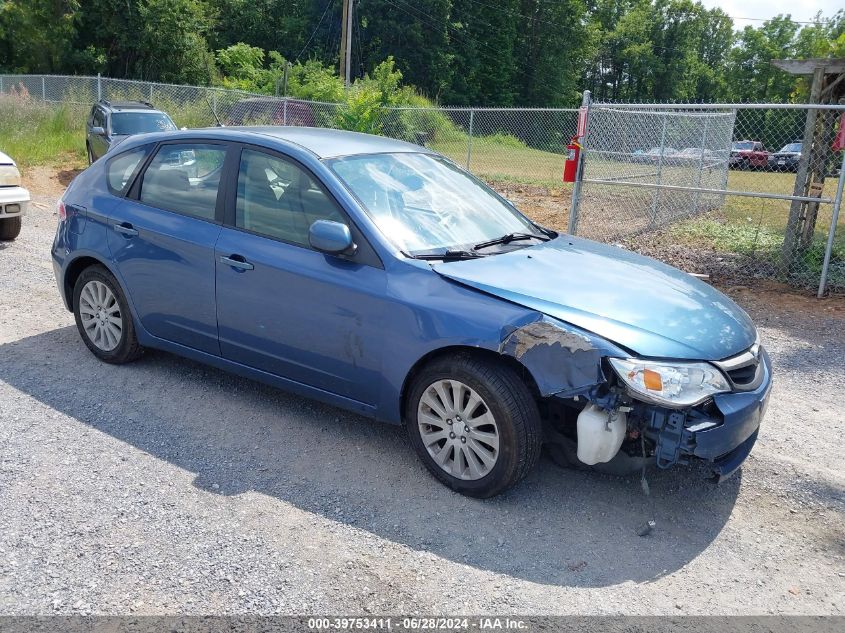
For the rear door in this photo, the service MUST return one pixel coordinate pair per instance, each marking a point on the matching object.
(284, 307)
(162, 239)
(98, 142)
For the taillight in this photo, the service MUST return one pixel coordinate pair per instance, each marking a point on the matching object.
(60, 209)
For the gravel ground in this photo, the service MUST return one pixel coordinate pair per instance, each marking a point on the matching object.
(168, 487)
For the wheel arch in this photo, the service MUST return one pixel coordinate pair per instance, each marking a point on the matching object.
(477, 352)
(74, 269)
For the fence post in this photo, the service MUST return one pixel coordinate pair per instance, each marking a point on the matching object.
(656, 200)
(99, 87)
(834, 220)
(586, 102)
(151, 93)
(214, 104)
(43, 89)
(469, 140)
(1, 84)
(791, 239)
(285, 112)
(700, 166)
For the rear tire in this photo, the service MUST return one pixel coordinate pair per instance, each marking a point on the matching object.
(492, 437)
(103, 317)
(10, 228)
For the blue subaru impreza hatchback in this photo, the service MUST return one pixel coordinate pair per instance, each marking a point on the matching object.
(378, 276)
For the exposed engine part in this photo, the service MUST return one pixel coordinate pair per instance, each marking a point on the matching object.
(600, 434)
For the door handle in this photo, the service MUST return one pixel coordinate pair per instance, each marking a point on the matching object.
(237, 261)
(126, 229)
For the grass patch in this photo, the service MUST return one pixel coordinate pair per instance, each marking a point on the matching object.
(732, 237)
(501, 157)
(38, 134)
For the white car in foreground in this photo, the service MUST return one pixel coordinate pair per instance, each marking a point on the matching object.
(14, 199)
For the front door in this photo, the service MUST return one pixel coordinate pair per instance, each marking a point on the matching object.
(163, 243)
(285, 308)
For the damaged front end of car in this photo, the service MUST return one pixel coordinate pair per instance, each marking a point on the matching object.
(606, 408)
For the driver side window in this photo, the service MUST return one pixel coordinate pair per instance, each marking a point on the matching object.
(279, 199)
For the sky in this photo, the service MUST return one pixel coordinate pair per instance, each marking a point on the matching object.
(799, 10)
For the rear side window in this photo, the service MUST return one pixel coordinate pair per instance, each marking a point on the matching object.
(99, 118)
(184, 178)
(121, 169)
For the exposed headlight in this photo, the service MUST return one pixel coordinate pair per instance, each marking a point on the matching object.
(9, 176)
(670, 384)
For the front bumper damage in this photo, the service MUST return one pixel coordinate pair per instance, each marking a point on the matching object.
(722, 433)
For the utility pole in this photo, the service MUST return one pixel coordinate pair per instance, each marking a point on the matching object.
(346, 43)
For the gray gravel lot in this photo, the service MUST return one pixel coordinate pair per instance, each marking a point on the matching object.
(169, 487)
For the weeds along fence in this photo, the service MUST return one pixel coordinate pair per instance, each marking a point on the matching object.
(495, 143)
(720, 189)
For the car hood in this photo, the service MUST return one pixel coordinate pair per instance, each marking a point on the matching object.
(650, 308)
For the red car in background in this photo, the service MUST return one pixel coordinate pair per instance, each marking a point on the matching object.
(748, 155)
(271, 111)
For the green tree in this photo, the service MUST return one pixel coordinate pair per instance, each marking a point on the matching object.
(483, 38)
(414, 32)
(551, 52)
(36, 36)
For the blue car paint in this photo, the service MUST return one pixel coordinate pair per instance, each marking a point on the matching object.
(653, 309)
(351, 334)
(169, 266)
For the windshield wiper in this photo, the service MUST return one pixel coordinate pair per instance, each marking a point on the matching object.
(510, 237)
(449, 255)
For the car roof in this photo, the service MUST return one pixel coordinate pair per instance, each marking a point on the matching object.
(319, 142)
(128, 105)
(329, 143)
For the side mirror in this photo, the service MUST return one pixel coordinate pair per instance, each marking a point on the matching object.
(330, 237)
(98, 131)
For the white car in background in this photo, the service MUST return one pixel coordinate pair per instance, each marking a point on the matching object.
(14, 199)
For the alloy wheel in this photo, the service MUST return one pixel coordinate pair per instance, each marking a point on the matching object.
(458, 429)
(101, 316)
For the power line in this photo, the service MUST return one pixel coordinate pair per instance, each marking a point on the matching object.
(316, 28)
(819, 21)
(433, 20)
(465, 37)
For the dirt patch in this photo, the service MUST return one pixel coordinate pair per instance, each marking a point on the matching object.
(549, 207)
(770, 296)
(48, 180)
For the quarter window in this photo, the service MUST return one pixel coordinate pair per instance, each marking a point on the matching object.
(121, 169)
(279, 199)
(99, 118)
(184, 178)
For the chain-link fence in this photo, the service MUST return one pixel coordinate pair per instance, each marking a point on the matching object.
(726, 190)
(498, 144)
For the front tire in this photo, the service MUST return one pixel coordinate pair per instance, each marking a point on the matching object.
(103, 318)
(10, 228)
(474, 424)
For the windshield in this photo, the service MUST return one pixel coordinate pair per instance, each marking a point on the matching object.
(125, 123)
(745, 145)
(424, 203)
(792, 147)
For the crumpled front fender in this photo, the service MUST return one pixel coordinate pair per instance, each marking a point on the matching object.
(562, 359)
